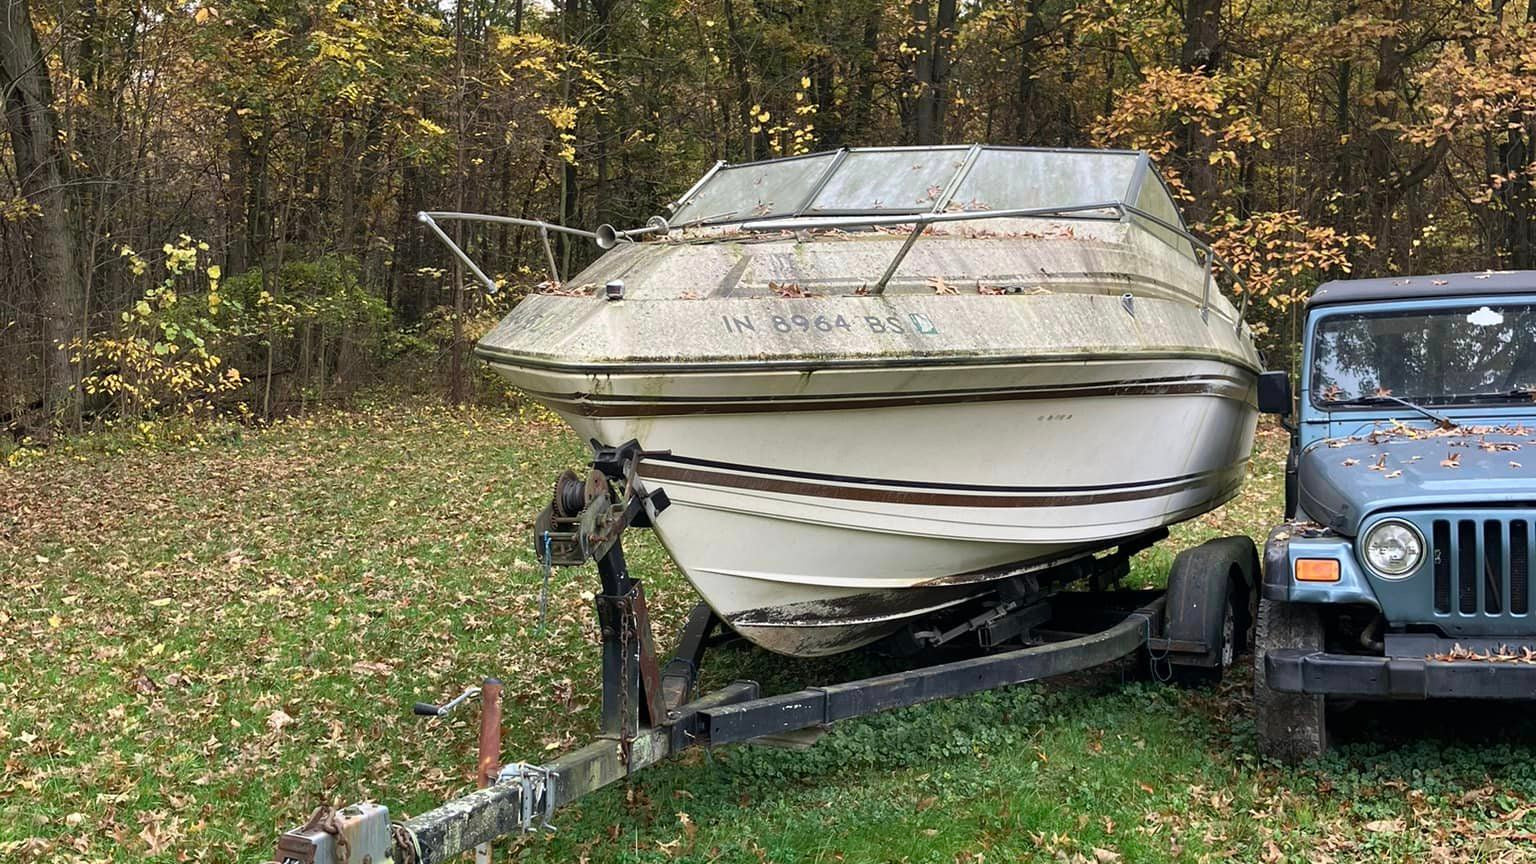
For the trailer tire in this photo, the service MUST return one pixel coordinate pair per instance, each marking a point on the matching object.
(1220, 634)
(1291, 727)
(1205, 597)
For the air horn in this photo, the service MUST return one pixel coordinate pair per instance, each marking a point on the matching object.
(609, 236)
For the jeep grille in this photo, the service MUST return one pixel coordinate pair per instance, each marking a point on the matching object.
(1481, 566)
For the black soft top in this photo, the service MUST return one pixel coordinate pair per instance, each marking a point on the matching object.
(1411, 287)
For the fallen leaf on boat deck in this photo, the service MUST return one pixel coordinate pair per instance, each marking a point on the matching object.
(1394, 475)
(787, 289)
(1451, 461)
(939, 286)
(1349, 463)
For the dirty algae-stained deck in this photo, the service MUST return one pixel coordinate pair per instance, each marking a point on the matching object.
(202, 640)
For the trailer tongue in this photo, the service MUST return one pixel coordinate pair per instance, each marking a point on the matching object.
(650, 712)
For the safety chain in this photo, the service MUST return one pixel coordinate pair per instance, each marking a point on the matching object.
(549, 566)
(405, 841)
(627, 640)
(1157, 664)
(326, 818)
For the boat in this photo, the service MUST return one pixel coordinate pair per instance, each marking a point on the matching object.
(885, 385)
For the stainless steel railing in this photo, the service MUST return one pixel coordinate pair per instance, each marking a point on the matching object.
(606, 236)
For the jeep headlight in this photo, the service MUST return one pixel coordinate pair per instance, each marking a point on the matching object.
(1394, 548)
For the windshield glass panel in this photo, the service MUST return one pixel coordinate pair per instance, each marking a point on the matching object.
(904, 181)
(1473, 354)
(756, 190)
(1036, 179)
(1153, 198)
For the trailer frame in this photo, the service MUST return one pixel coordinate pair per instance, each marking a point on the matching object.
(650, 711)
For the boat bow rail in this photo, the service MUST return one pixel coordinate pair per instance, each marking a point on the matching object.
(892, 187)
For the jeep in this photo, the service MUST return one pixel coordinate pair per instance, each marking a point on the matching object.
(1403, 567)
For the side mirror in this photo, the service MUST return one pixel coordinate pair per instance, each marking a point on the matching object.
(1275, 393)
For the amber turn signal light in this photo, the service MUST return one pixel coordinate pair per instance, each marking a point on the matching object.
(1317, 570)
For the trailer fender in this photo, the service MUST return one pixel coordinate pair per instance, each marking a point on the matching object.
(1201, 584)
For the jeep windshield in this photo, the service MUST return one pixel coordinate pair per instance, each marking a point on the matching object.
(1480, 354)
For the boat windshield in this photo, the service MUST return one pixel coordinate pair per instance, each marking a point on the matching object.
(894, 181)
(1476, 354)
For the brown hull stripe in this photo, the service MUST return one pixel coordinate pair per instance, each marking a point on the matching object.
(855, 489)
(589, 405)
(513, 360)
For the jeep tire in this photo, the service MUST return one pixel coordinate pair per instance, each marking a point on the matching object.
(1291, 727)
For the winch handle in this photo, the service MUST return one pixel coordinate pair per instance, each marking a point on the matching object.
(427, 709)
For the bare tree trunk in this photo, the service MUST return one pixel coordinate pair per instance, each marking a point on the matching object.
(751, 142)
(42, 169)
(1343, 168)
(931, 68)
(603, 122)
(1387, 182)
(862, 109)
(235, 246)
(456, 361)
(943, 41)
(1202, 54)
(922, 73)
(1516, 236)
(1025, 128)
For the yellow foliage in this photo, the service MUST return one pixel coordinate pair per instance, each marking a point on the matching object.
(562, 117)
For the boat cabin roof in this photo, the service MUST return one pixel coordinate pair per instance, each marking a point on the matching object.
(897, 181)
(1445, 285)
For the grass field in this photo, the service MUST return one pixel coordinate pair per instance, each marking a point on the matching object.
(202, 640)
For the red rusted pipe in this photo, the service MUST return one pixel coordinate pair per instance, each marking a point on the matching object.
(490, 747)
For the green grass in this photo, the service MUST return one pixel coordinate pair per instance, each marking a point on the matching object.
(201, 640)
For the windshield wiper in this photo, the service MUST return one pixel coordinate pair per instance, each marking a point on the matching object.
(1440, 420)
(1515, 394)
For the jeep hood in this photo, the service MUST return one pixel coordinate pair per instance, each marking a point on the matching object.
(1344, 480)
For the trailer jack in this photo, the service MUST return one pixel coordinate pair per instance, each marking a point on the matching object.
(650, 711)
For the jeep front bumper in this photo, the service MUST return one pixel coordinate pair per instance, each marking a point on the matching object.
(1295, 670)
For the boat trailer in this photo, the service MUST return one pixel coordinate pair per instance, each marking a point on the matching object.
(650, 711)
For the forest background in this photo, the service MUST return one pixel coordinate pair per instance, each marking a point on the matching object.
(210, 208)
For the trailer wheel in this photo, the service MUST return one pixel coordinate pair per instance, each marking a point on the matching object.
(1292, 727)
(1220, 634)
(1204, 593)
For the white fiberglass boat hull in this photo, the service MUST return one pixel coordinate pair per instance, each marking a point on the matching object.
(869, 421)
(819, 506)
